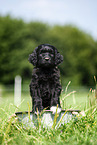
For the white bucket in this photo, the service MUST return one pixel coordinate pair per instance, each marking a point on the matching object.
(46, 119)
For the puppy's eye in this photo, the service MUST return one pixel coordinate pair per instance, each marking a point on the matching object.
(50, 51)
(42, 51)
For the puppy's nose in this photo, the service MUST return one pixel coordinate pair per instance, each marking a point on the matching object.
(47, 58)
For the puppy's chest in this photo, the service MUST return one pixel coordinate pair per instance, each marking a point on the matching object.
(46, 77)
(46, 82)
(45, 88)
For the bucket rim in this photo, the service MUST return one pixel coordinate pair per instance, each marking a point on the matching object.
(64, 110)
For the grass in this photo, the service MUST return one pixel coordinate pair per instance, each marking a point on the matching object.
(83, 130)
(7, 101)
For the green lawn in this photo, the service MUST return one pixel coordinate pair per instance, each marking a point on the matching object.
(7, 102)
(81, 131)
(76, 100)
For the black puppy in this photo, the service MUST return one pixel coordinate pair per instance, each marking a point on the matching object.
(45, 86)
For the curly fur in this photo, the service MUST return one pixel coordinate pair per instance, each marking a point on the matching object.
(45, 87)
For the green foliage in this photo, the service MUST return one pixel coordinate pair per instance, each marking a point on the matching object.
(78, 49)
(18, 39)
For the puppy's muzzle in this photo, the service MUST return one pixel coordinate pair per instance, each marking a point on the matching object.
(46, 58)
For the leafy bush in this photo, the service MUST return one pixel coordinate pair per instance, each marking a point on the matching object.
(18, 39)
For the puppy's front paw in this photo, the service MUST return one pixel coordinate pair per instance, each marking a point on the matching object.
(37, 112)
(54, 108)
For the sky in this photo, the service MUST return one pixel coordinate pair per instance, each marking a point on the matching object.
(81, 13)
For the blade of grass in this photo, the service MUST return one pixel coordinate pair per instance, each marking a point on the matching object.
(55, 118)
(61, 119)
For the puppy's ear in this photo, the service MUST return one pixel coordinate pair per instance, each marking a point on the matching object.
(58, 57)
(33, 57)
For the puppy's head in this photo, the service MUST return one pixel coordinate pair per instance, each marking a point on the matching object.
(45, 55)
